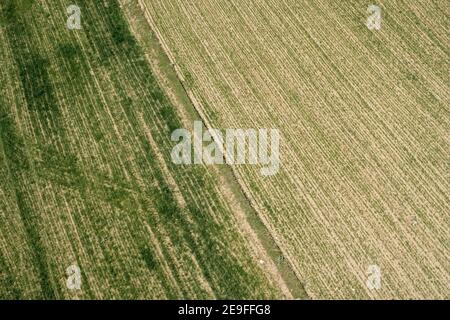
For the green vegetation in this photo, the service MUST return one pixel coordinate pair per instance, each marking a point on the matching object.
(85, 184)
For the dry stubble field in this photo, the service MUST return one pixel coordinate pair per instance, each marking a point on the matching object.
(365, 123)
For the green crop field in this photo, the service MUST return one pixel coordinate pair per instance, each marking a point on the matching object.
(86, 177)
(93, 206)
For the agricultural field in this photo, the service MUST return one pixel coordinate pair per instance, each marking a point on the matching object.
(365, 124)
(87, 184)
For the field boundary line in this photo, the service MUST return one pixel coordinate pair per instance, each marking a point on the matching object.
(252, 203)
